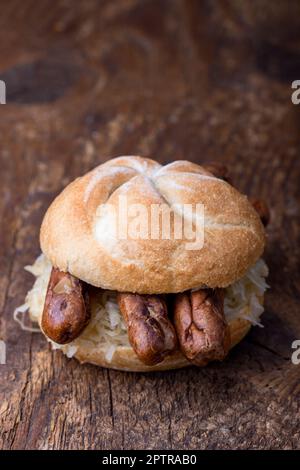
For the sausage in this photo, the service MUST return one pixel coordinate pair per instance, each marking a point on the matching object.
(150, 331)
(221, 171)
(66, 311)
(262, 209)
(200, 325)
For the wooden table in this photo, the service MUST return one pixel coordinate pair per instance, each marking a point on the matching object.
(169, 79)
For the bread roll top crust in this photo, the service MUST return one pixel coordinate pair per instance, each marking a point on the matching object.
(79, 233)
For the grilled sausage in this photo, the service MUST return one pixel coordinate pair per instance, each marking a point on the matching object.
(200, 325)
(66, 310)
(262, 209)
(221, 171)
(150, 331)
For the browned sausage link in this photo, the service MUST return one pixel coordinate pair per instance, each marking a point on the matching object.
(201, 327)
(219, 170)
(150, 331)
(66, 310)
(262, 209)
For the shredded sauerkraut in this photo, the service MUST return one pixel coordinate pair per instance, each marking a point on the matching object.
(243, 299)
(107, 330)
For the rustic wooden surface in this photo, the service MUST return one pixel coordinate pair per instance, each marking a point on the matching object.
(168, 79)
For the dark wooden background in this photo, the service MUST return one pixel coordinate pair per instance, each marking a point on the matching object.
(169, 79)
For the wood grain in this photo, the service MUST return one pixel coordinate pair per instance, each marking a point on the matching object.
(167, 79)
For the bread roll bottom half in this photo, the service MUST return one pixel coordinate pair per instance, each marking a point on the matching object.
(105, 343)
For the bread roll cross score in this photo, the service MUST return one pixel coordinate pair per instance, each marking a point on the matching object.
(170, 300)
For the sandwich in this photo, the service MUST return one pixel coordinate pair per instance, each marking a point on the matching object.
(119, 290)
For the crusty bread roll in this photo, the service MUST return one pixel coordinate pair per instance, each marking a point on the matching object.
(78, 238)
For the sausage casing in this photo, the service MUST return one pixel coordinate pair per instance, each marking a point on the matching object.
(150, 331)
(262, 209)
(200, 325)
(66, 311)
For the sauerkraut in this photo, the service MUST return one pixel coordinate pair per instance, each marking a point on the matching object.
(107, 330)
